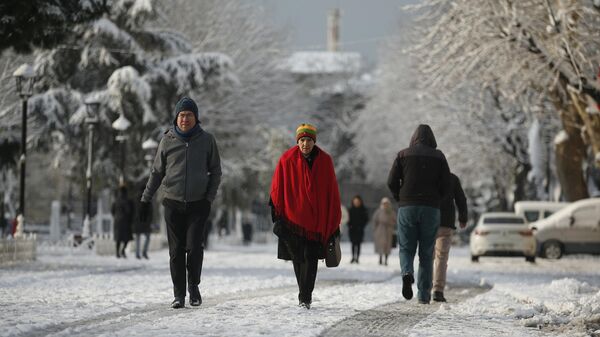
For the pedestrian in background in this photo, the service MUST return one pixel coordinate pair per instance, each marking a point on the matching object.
(305, 207)
(418, 180)
(384, 224)
(443, 240)
(187, 167)
(122, 211)
(143, 229)
(358, 217)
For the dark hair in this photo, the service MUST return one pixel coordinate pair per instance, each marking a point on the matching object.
(359, 199)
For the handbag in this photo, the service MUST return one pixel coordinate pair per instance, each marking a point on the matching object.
(333, 253)
(394, 240)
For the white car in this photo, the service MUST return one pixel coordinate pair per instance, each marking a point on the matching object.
(502, 234)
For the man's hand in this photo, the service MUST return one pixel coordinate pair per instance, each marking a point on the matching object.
(462, 225)
(144, 211)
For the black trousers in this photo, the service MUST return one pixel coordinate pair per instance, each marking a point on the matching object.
(306, 275)
(185, 233)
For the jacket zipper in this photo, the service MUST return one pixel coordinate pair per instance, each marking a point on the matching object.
(186, 172)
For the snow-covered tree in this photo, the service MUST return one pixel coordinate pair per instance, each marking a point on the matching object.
(133, 69)
(40, 23)
(532, 53)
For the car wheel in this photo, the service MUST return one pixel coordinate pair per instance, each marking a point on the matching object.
(530, 259)
(552, 250)
(474, 258)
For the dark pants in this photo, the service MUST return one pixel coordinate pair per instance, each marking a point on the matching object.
(355, 251)
(306, 275)
(185, 233)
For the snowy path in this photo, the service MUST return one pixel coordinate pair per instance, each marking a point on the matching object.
(248, 292)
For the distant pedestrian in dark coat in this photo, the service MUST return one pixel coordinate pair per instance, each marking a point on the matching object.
(306, 212)
(358, 217)
(122, 211)
(418, 180)
(444, 234)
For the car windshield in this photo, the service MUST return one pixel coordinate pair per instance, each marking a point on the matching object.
(503, 221)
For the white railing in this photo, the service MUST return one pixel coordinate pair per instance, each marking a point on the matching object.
(18, 249)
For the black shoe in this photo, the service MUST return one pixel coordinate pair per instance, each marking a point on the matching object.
(145, 256)
(137, 256)
(123, 255)
(407, 281)
(195, 297)
(178, 303)
(423, 302)
(438, 296)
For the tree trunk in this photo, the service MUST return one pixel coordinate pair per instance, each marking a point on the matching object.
(570, 155)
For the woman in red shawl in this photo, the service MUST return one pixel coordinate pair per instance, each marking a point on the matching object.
(305, 202)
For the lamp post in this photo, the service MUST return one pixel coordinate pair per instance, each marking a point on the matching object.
(25, 79)
(121, 125)
(91, 107)
(149, 146)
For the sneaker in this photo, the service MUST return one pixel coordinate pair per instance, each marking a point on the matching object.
(407, 281)
(438, 296)
(195, 297)
(178, 303)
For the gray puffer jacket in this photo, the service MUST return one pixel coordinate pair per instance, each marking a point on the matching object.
(187, 170)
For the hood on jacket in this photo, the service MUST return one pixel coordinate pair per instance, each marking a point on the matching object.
(423, 135)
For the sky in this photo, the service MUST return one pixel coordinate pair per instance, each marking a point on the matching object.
(363, 24)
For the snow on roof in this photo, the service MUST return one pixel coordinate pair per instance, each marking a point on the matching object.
(25, 70)
(323, 62)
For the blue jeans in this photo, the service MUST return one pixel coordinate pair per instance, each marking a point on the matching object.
(418, 225)
(138, 245)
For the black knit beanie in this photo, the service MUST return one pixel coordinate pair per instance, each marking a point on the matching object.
(186, 104)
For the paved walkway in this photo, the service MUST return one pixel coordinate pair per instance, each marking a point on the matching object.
(397, 318)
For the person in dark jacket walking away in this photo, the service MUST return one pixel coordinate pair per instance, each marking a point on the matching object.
(305, 206)
(443, 240)
(142, 229)
(418, 180)
(122, 211)
(358, 217)
(187, 167)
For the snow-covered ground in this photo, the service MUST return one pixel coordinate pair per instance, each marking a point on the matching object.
(248, 292)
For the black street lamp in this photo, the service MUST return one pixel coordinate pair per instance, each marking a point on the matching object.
(92, 106)
(25, 78)
(121, 125)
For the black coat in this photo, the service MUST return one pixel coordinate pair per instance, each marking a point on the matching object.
(122, 211)
(447, 209)
(358, 217)
(420, 175)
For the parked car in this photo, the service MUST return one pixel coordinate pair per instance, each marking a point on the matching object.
(536, 210)
(574, 229)
(502, 234)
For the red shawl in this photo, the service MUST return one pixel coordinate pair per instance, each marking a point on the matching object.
(307, 199)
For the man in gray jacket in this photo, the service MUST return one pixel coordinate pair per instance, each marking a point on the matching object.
(188, 168)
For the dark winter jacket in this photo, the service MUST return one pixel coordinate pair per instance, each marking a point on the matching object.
(447, 209)
(420, 175)
(186, 169)
(122, 211)
(358, 217)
